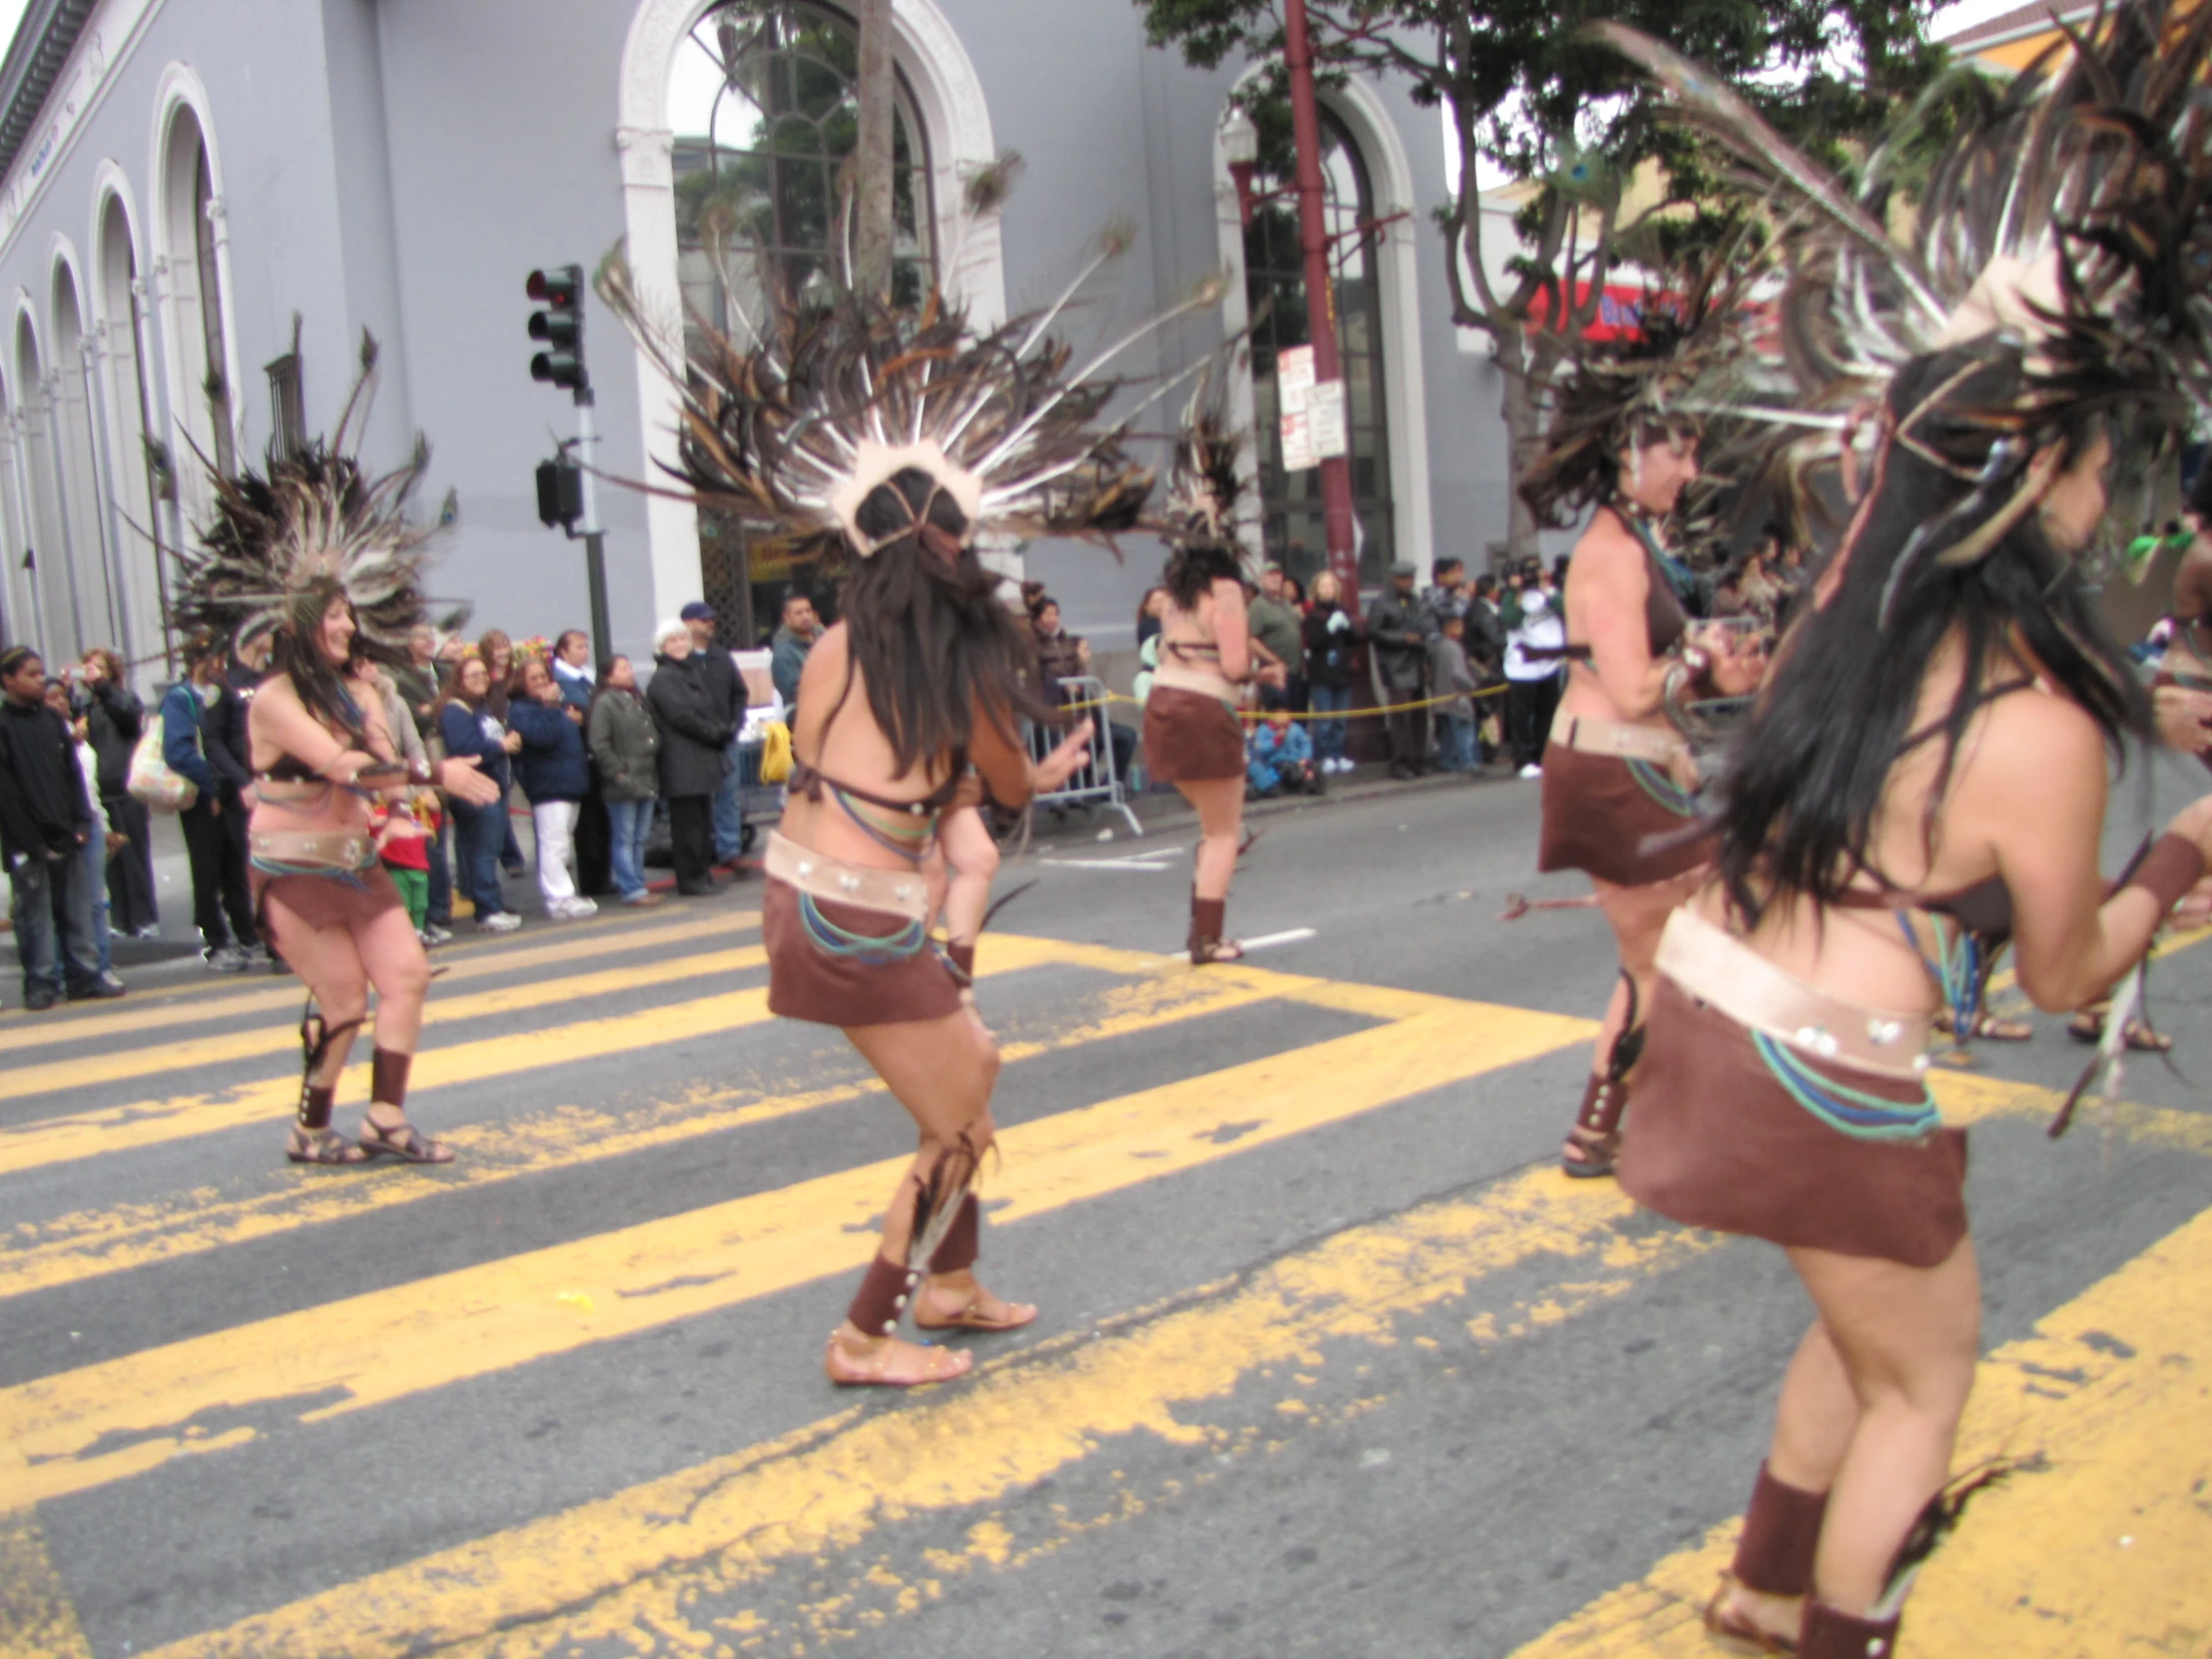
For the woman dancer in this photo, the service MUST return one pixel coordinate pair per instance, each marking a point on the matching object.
(898, 438)
(320, 560)
(1884, 800)
(1616, 772)
(1192, 737)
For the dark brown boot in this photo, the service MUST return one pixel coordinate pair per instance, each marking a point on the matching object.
(1206, 944)
(1830, 1634)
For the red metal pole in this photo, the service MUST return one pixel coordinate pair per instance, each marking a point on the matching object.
(1321, 293)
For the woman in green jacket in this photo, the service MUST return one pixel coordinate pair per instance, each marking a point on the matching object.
(624, 741)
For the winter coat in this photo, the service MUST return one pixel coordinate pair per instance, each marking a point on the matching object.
(1400, 659)
(1485, 638)
(1449, 674)
(695, 727)
(43, 803)
(1331, 633)
(552, 761)
(786, 662)
(113, 721)
(475, 732)
(724, 686)
(573, 684)
(625, 745)
(185, 720)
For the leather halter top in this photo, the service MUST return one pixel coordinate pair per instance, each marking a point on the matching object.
(1665, 621)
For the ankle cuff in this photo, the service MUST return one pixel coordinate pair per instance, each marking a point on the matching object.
(1781, 1534)
(388, 1078)
(315, 1105)
(962, 1240)
(884, 1296)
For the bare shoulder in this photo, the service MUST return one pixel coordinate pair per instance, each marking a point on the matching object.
(2035, 746)
(1607, 551)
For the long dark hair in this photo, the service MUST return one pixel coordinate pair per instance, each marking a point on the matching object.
(1809, 773)
(924, 621)
(1194, 567)
(296, 651)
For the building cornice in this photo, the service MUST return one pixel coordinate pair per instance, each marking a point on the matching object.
(35, 57)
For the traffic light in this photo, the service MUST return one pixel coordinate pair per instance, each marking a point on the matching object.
(560, 289)
(560, 492)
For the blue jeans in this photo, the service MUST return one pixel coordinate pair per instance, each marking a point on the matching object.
(1328, 735)
(49, 952)
(1455, 744)
(626, 824)
(95, 894)
(478, 834)
(439, 910)
(728, 816)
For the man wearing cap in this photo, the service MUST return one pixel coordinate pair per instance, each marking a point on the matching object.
(787, 651)
(1398, 631)
(724, 692)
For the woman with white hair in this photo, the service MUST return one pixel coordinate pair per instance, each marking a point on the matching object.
(693, 760)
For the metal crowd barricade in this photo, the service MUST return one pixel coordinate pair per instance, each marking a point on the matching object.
(1096, 783)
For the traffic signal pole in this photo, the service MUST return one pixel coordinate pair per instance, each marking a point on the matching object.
(1320, 297)
(594, 536)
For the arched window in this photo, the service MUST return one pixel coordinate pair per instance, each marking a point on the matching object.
(53, 573)
(77, 461)
(1275, 285)
(126, 388)
(190, 219)
(763, 102)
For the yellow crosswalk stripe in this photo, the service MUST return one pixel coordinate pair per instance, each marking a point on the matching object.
(90, 1244)
(109, 1021)
(638, 1559)
(36, 1620)
(147, 1123)
(86, 1428)
(194, 1055)
(2097, 1552)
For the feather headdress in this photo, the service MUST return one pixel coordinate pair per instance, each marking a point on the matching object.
(1206, 481)
(794, 427)
(2061, 247)
(313, 522)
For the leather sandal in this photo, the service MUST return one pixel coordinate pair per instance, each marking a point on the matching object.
(1587, 1156)
(2088, 1027)
(972, 1315)
(872, 1367)
(1733, 1630)
(402, 1141)
(325, 1149)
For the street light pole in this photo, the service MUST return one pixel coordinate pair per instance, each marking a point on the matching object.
(1320, 299)
(594, 536)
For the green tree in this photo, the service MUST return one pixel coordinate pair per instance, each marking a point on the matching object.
(1528, 94)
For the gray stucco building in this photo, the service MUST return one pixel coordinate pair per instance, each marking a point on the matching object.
(183, 177)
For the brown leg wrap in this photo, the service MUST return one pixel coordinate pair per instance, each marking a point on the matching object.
(1207, 918)
(388, 1078)
(1782, 1530)
(882, 1298)
(962, 1243)
(314, 1107)
(1603, 1101)
(961, 954)
(1829, 1634)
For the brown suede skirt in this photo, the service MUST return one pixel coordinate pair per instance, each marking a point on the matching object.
(822, 970)
(320, 903)
(1190, 738)
(1599, 812)
(1713, 1138)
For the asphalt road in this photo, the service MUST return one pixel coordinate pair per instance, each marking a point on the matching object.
(1332, 1360)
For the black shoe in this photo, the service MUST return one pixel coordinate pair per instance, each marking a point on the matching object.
(39, 998)
(96, 990)
(1403, 773)
(698, 890)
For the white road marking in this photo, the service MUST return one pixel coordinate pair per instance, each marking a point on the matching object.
(1266, 941)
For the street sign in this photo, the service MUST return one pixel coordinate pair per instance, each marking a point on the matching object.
(1293, 387)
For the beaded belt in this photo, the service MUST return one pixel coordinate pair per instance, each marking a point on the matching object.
(1616, 738)
(1718, 969)
(311, 852)
(896, 892)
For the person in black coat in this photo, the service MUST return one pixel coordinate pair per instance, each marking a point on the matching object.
(115, 719)
(725, 693)
(696, 731)
(46, 819)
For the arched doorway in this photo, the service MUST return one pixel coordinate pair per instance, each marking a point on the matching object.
(1275, 292)
(127, 390)
(75, 455)
(764, 111)
(189, 231)
(52, 573)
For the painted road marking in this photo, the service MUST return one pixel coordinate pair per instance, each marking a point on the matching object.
(181, 1117)
(92, 1242)
(2098, 1553)
(638, 1559)
(36, 1620)
(83, 1429)
(194, 1055)
(111, 1022)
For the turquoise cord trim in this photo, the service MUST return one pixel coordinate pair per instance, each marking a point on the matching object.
(1848, 1111)
(1663, 789)
(873, 949)
(1957, 975)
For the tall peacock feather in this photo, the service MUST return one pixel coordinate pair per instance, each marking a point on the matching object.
(312, 526)
(2063, 238)
(797, 425)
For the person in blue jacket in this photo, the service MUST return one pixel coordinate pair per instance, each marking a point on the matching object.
(470, 728)
(556, 775)
(194, 722)
(1279, 757)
